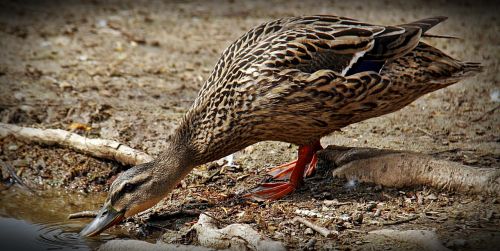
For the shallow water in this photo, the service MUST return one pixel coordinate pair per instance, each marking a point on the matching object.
(39, 221)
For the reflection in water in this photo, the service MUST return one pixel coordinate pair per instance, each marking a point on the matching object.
(21, 235)
(39, 221)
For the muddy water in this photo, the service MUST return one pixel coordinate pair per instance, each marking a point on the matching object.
(39, 221)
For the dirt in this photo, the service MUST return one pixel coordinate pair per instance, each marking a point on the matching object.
(129, 71)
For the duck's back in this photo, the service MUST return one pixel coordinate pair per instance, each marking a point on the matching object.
(298, 79)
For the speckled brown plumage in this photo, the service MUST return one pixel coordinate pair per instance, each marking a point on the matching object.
(293, 80)
(288, 80)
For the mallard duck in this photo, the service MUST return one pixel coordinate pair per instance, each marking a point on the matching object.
(293, 80)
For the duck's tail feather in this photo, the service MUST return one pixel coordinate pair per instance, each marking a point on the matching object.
(431, 67)
(440, 36)
(471, 68)
(426, 23)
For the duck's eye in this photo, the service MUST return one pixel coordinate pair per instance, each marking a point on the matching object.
(128, 188)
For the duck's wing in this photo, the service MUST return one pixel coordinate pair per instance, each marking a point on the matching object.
(343, 45)
(333, 67)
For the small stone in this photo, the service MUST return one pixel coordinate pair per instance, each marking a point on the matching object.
(370, 206)
(345, 217)
(12, 147)
(65, 85)
(20, 162)
(357, 217)
(309, 231)
(348, 225)
(378, 212)
(431, 197)
(377, 188)
(279, 235)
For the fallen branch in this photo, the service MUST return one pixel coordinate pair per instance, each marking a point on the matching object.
(402, 169)
(323, 231)
(234, 236)
(83, 214)
(489, 112)
(101, 148)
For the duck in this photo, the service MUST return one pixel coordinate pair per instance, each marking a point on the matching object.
(294, 80)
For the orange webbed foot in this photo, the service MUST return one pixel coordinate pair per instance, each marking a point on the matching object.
(271, 191)
(294, 172)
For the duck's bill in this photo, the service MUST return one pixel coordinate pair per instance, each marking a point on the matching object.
(106, 218)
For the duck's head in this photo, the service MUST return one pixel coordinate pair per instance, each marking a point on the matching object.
(136, 190)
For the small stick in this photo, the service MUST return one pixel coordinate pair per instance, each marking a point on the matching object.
(215, 218)
(83, 214)
(486, 113)
(400, 221)
(14, 176)
(323, 231)
(425, 132)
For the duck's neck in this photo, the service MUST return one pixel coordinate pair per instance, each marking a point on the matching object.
(203, 145)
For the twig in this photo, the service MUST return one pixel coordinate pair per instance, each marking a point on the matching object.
(400, 221)
(486, 113)
(215, 218)
(83, 214)
(212, 176)
(14, 176)
(425, 132)
(323, 231)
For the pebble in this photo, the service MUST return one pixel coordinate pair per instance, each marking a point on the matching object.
(357, 217)
(431, 197)
(378, 212)
(20, 162)
(348, 225)
(309, 231)
(345, 217)
(12, 147)
(370, 206)
(279, 235)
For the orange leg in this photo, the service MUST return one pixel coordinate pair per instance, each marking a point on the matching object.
(293, 171)
(283, 172)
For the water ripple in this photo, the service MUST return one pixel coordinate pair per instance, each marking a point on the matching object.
(21, 235)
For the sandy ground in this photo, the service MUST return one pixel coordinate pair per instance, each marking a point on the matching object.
(129, 70)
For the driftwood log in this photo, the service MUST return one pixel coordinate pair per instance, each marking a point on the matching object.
(101, 148)
(402, 169)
